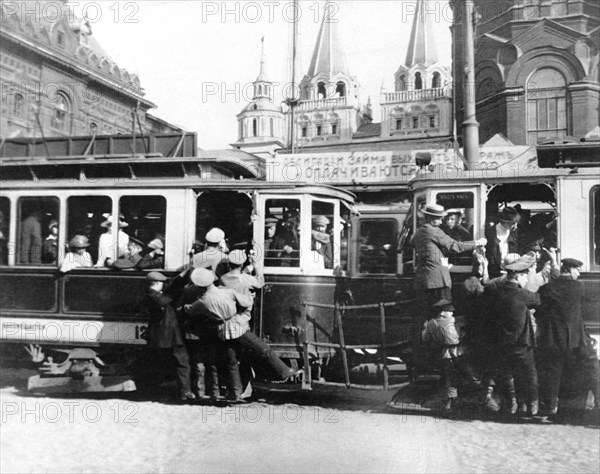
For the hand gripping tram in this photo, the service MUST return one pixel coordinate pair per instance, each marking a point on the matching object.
(83, 326)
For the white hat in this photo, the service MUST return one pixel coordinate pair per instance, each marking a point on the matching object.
(202, 277)
(215, 235)
(237, 257)
(108, 221)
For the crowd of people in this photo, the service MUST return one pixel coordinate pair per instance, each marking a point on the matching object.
(523, 335)
(199, 320)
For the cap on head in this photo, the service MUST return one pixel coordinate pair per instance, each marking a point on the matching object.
(53, 223)
(237, 257)
(156, 244)
(270, 222)
(519, 266)
(568, 263)
(434, 210)
(454, 212)
(202, 277)
(443, 305)
(215, 235)
(509, 215)
(320, 220)
(156, 276)
(79, 242)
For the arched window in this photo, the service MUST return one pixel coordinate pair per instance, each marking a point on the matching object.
(254, 127)
(254, 107)
(259, 89)
(546, 105)
(241, 129)
(401, 83)
(60, 116)
(321, 91)
(93, 128)
(340, 89)
(272, 127)
(436, 82)
(18, 102)
(418, 81)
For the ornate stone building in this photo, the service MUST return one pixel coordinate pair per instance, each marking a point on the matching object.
(329, 115)
(58, 81)
(537, 74)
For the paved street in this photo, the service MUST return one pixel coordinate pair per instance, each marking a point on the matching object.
(330, 429)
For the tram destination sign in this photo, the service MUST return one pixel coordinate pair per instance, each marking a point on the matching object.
(381, 166)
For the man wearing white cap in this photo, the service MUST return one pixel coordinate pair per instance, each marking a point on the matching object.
(432, 275)
(215, 250)
(77, 257)
(105, 243)
(155, 255)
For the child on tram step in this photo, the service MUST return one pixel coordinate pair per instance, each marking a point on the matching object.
(440, 333)
(165, 342)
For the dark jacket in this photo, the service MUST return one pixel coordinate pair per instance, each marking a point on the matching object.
(508, 318)
(431, 244)
(560, 324)
(492, 249)
(163, 329)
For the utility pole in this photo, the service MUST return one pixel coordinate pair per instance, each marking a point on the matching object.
(470, 125)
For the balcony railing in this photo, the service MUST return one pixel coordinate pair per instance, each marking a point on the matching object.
(322, 103)
(416, 95)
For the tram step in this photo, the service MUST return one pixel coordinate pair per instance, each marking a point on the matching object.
(107, 383)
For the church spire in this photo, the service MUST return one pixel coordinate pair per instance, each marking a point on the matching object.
(421, 48)
(328, 57)
(262, 75)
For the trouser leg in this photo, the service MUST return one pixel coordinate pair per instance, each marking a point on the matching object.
(264, 352)
(449, 378)
(232, 370)
(197, 353)
(211, 364)
(525, 373)
(183, 369)
(550, 364)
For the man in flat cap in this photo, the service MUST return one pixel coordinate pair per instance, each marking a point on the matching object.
(502, 239)
(321, 242)
(270, 230)
(154, 256)
(514, 336)
(563, 339)
(441, 333)
(164, 338)
(130, 260)
(432, 280)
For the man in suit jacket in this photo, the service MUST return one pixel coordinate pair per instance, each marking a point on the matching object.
(562, 335)
(432, 280)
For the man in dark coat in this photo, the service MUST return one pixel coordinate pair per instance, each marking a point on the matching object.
(502, 239)
(562, 335)
(432, 280)
(164, 338)
(514, 336)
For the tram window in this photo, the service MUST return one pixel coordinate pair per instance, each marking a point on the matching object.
(322, 242)
(458, 222)
(38, 231)
(345, 215)
(88, 216)
(143, 221)
(595, 214)
(230, 212)
(377, 252)
(282, 241)
(4, 229)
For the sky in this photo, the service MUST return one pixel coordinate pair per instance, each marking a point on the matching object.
(197, 59)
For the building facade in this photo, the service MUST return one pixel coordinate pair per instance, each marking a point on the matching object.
(536, 63)
(329, 115)
(58, 81)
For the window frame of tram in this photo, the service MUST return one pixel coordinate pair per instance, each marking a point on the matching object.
(42, 210)
(288, 212)
(5, 227)
(595, 228)
(322, 255)
(459, 206)
(390, 264)
(150, 225)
